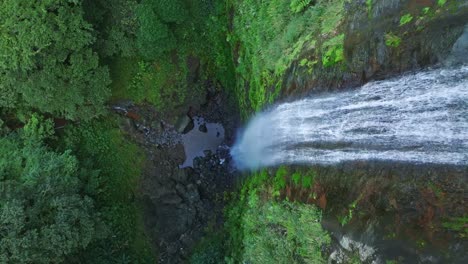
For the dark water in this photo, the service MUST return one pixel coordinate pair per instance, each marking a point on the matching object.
(203, 137)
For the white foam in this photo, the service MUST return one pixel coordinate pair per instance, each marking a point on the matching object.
(420, 118)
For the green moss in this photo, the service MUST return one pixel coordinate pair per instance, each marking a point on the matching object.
(406, 19)
(391, 40)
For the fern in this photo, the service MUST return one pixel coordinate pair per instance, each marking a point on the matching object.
(299, 5)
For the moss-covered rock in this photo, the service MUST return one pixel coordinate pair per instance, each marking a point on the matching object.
(382, 38)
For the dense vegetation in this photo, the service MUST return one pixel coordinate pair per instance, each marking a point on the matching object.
(47, 63)
(263, 227)
(67, 192)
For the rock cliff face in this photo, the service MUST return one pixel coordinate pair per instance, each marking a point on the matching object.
(384, 38)
(409, 207)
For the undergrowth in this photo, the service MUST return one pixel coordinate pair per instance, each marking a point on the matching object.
(265, 229)
(270, 35)
(114, 166)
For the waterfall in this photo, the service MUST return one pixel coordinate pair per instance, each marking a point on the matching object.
(418, 118)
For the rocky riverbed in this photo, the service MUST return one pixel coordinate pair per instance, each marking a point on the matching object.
(180, 200)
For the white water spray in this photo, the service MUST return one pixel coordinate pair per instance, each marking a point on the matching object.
(418, 118)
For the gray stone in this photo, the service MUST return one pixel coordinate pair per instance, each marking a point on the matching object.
(182, 123)
(459, 53)
(192, 193)
(203, 128)
(171, 199)
(180, 176)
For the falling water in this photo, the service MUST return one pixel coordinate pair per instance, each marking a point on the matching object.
(418, 118)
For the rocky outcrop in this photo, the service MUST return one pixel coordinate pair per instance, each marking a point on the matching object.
(383, 39)
(179, 203)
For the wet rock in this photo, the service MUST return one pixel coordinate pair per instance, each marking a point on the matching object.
(202, 128)
(172, 199)
(178, 203)
(459, 52)
(181, 189)
(189, 127)
(192, 193)
(182, 123)
(180, 176)
(156, 126)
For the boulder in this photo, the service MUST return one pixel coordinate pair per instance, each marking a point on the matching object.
(182, 122)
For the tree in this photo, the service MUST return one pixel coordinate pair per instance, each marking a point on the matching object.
(47, 63)
(116, 26)
(171, 11)
(44, 214)
(154, 37)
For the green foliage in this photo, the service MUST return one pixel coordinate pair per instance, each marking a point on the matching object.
(369, 6)
(299, 5)
(46, 214)
(406, 19)
(304, 180)
(426, 10)
(279, 232)
(332, 17)
(391, 40)
(169, 32)
(162, 84)
(457, 224)
(37, 130)
(263, 230)
(116, 23)
(268, 37)
(170, 11)
(283, 233)
(296, 178)
(47, 63)
(346, 218)
(441, 2)
(279, 181)
(307, 180)
(101, 146)
(210, 250)
(154, 37)
(334, 51)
